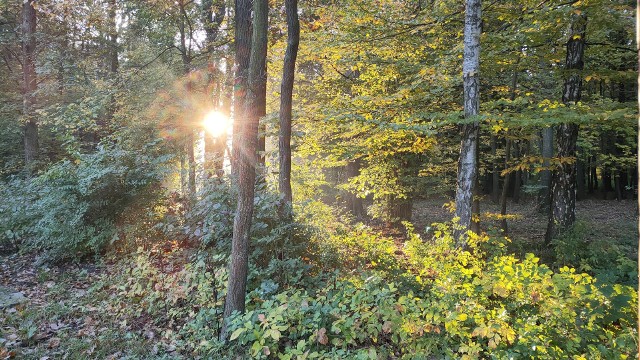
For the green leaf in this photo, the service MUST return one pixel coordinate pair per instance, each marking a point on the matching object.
(236, 333)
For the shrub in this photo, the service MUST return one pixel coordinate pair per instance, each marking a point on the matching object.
(473, 303)
(71, 209)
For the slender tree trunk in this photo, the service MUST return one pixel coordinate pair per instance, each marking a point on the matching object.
(505, 187)
(248, 159)
(563, 191)
(114, 64)
(183, 176)
(286, 95)
(517, 175)
(580, 180)
(495, 173)
(544, 198)
(243, 46)
(354, 202)
(192, 162)
(467, 164)
(31, 146)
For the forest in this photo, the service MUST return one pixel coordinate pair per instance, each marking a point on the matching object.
(319, 179)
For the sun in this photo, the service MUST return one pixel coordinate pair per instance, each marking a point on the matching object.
(216, 123)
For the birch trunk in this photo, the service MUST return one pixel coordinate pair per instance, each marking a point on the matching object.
(467, 163)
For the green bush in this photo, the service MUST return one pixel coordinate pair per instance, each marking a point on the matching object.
(72, 208)
(473, 303)
(607, 259)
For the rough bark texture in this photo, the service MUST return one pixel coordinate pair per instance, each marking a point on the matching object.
(563, 189)
(238, 267)
(31, 146)
(286, 94)
(243, 46)
(467, 164)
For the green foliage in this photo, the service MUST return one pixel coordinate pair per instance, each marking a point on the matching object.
(71, 210)
(609, 260)
(276, 244)
(469, 304)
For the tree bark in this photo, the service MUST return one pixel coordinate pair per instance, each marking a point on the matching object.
(286, 95)
(563, 190)
(517, 175)
(505, 187)
(31, 146)
(495, 174)
(238, 267)
(544, 197)
(354, 202)
(114, 64)
(467, 163)
(243, 46)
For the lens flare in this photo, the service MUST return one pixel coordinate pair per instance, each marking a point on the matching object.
(216, 123)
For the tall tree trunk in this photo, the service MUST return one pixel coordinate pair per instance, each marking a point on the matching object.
(495, 173)
(192, 162)
(354, 202)
(286, 95)
(31, 146)
(563, 190)
(505, 186)
(243, 46)
(581, 193)
(467, 163)
(238, 267)
(517, 175)
(114, 64)
(544, 197)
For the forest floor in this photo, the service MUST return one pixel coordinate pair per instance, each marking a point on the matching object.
(607, 220)
(69, 310)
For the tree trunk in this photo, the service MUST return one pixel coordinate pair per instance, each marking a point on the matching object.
(563, 191)
(495, 174)
(192, 162)
(467, 163)
(286, 95)
(243, 46)
(398, 210)
(505, 187)
(517, 175)
(238, 267)
(580, 180)
(354, 202)
(544, 197)
(31, 146)
(114, 64)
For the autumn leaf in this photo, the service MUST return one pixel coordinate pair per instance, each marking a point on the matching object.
(386, 327)
(322, 336)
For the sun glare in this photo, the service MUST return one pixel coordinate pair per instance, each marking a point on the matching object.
(216, 123)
